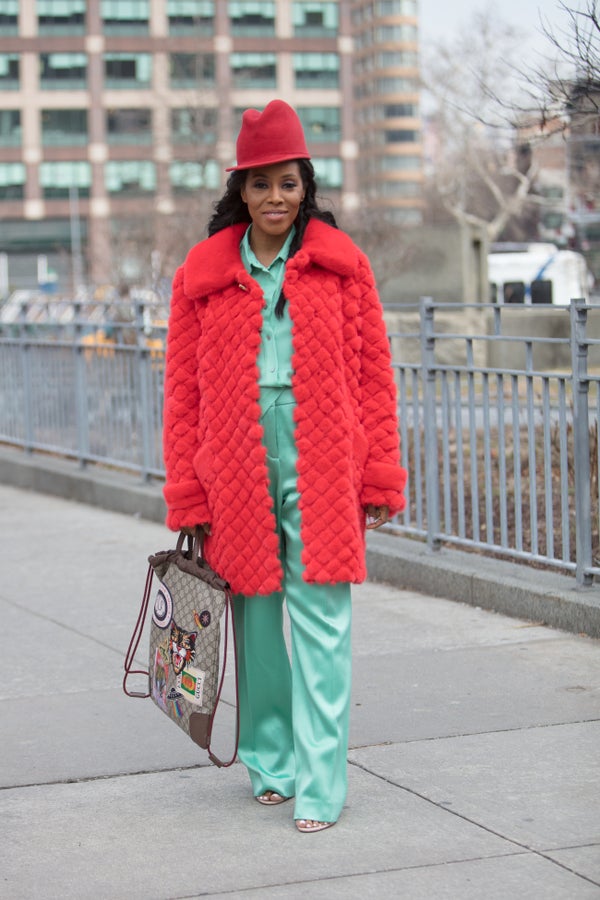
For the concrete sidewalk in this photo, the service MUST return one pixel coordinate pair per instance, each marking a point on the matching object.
(474, 764)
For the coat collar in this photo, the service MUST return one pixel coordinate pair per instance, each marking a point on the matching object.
(215, 263)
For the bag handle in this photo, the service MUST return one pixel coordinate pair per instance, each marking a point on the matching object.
(195, 543)
(195, 546)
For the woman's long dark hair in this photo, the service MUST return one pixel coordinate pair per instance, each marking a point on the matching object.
(231, 209)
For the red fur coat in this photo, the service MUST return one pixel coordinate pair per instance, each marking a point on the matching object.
(346, 435)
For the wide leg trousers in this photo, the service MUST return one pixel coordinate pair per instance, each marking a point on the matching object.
(294, 715)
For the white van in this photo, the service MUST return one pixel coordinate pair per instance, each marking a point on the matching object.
(536, 273)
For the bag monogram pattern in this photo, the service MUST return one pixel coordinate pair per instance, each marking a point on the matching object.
(183, 674)
(183, 660)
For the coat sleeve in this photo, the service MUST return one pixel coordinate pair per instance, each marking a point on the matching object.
(383, 478)
(184, 495)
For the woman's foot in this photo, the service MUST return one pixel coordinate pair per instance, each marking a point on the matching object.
(306, 826)
(270, 798)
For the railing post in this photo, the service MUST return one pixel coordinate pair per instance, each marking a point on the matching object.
(82, 416)
(432, 493)
(581, 440)
(28, 431)
(146, 417)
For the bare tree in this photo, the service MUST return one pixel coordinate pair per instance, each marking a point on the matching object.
(389, 246)
(475, 171)
(571, 92)
(573, 82)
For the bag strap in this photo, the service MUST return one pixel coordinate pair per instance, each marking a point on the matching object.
(135, 642)
(213, 758)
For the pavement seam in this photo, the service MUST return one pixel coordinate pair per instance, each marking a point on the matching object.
(466, 734)
(465, 818)
(88, 779)
(351, 762)
(70, 629)
(332, 878)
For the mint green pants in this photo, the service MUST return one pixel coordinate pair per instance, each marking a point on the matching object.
(294, 716)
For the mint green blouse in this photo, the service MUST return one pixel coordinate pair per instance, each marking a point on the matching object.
(275, 354)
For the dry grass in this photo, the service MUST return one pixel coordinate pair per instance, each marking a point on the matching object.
(490, 514)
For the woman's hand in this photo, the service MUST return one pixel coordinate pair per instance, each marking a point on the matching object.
(377, 516)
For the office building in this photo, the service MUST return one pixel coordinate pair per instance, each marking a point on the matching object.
(118, 118)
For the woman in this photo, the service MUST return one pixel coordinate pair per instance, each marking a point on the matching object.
(281, 440)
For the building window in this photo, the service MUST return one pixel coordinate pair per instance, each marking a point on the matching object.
(328, 172)
(56, 179)
(61, 16)
(10, 128)
(395, 85)
(125, 16)
(321, 123)
(191, 70)
(365, 12)
(402, 189)
(390, 34)
(64, 127)
(251, 19)
(252, 70)
(396, 8)
(316, 70)
(12, 181)
(400, 164)
(187, 177)
(9, 71)
(129, 126)
(400, 110)
(127, 70)
(63, 71)
(130, 177)
(401, 136)
(9, 17)
(395, 58)
(193, 126)
(196, 16)
(315, 19)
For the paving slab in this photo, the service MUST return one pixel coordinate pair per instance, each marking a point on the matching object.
(415, 694)
(71, 737)
(494, 879)
(179, 834)
(539, 787)
(398, 620)
(584, 860)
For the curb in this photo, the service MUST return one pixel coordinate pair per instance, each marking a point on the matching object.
(95, 485)
(516, 590)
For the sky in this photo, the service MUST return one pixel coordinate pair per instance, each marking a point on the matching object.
(437, 18)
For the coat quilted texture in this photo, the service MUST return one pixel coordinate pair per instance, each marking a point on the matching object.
(346, 427)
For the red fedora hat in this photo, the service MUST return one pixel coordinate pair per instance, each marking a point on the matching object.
(270, 136)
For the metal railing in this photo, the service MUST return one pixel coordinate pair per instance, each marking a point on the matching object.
(79, 382)
(502, 458)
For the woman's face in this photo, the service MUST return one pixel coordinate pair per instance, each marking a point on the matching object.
(273, 195)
